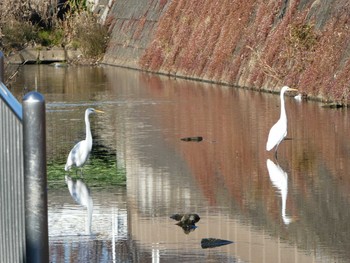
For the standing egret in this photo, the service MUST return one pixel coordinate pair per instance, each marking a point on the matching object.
(279, 130)
(81, 151)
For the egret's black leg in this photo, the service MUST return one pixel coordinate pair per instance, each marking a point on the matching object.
(276, 152)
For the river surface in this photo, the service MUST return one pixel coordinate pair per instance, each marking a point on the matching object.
(293, 210)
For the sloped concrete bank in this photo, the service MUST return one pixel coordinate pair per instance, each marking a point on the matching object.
(132, 24)
(256, 44)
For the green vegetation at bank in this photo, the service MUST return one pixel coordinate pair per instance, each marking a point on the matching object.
(96, 173)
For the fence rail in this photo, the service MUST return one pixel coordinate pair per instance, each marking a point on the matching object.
(23, 197)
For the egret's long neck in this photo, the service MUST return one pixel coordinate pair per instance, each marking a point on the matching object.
(283, 108)
(87, 125)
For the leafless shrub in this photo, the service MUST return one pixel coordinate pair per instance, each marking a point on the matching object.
(91, 37)
(36, 22)
(269, 70)
(18, 22)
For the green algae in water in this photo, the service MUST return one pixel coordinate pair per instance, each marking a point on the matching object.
(96, 173)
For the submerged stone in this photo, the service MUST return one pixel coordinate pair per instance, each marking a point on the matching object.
(214, 242)
(186, 221)
(192, 139)
(333, 105)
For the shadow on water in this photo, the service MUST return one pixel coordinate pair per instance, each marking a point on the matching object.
(292, 211)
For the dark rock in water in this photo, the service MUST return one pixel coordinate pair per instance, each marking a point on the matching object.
(187, 228)
(186, 221)
(189, 219)
(177, 217)
(214, 242)
(192, 139)
(333, 105)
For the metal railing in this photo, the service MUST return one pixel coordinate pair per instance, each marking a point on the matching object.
(23, 196)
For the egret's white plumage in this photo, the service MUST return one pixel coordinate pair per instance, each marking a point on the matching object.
(298, 97)
(279, 130)
(81, 151)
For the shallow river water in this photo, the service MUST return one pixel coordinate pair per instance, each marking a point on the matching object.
(293, 210)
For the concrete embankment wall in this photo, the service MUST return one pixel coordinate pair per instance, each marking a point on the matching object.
(256, 44)
(132, 24)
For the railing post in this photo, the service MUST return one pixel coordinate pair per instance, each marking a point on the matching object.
(2, 69)
(34, 154)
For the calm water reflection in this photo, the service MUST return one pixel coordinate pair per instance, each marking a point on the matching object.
(296, 210)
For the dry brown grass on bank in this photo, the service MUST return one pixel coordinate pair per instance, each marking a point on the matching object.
(16, 27)
(261, 44)
(36, 23)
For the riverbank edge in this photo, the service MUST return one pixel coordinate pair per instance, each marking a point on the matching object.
(38, 55)
(305, 97)
(44, 55)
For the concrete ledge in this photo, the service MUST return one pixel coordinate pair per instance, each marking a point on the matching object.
(36, 55)
(54, 54)
(29, 54)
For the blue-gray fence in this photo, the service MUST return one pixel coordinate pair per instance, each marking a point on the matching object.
(23, 197)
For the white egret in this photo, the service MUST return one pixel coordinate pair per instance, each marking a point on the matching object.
(298, 97)
(279, 130)
(81, 151)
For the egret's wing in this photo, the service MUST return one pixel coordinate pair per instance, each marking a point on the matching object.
(77, 155)
(276, 135)
(71, 157)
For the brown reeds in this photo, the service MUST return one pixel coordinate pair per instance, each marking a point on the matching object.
(260, 44)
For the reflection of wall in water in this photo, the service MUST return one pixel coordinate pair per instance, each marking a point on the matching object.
(156, 174)
(238, 121)
(238, 162)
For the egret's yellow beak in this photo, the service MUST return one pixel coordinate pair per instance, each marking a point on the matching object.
(99, 111)
(290, 89)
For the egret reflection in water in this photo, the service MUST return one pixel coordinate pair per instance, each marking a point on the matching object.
(81, 195)
(279, 179)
